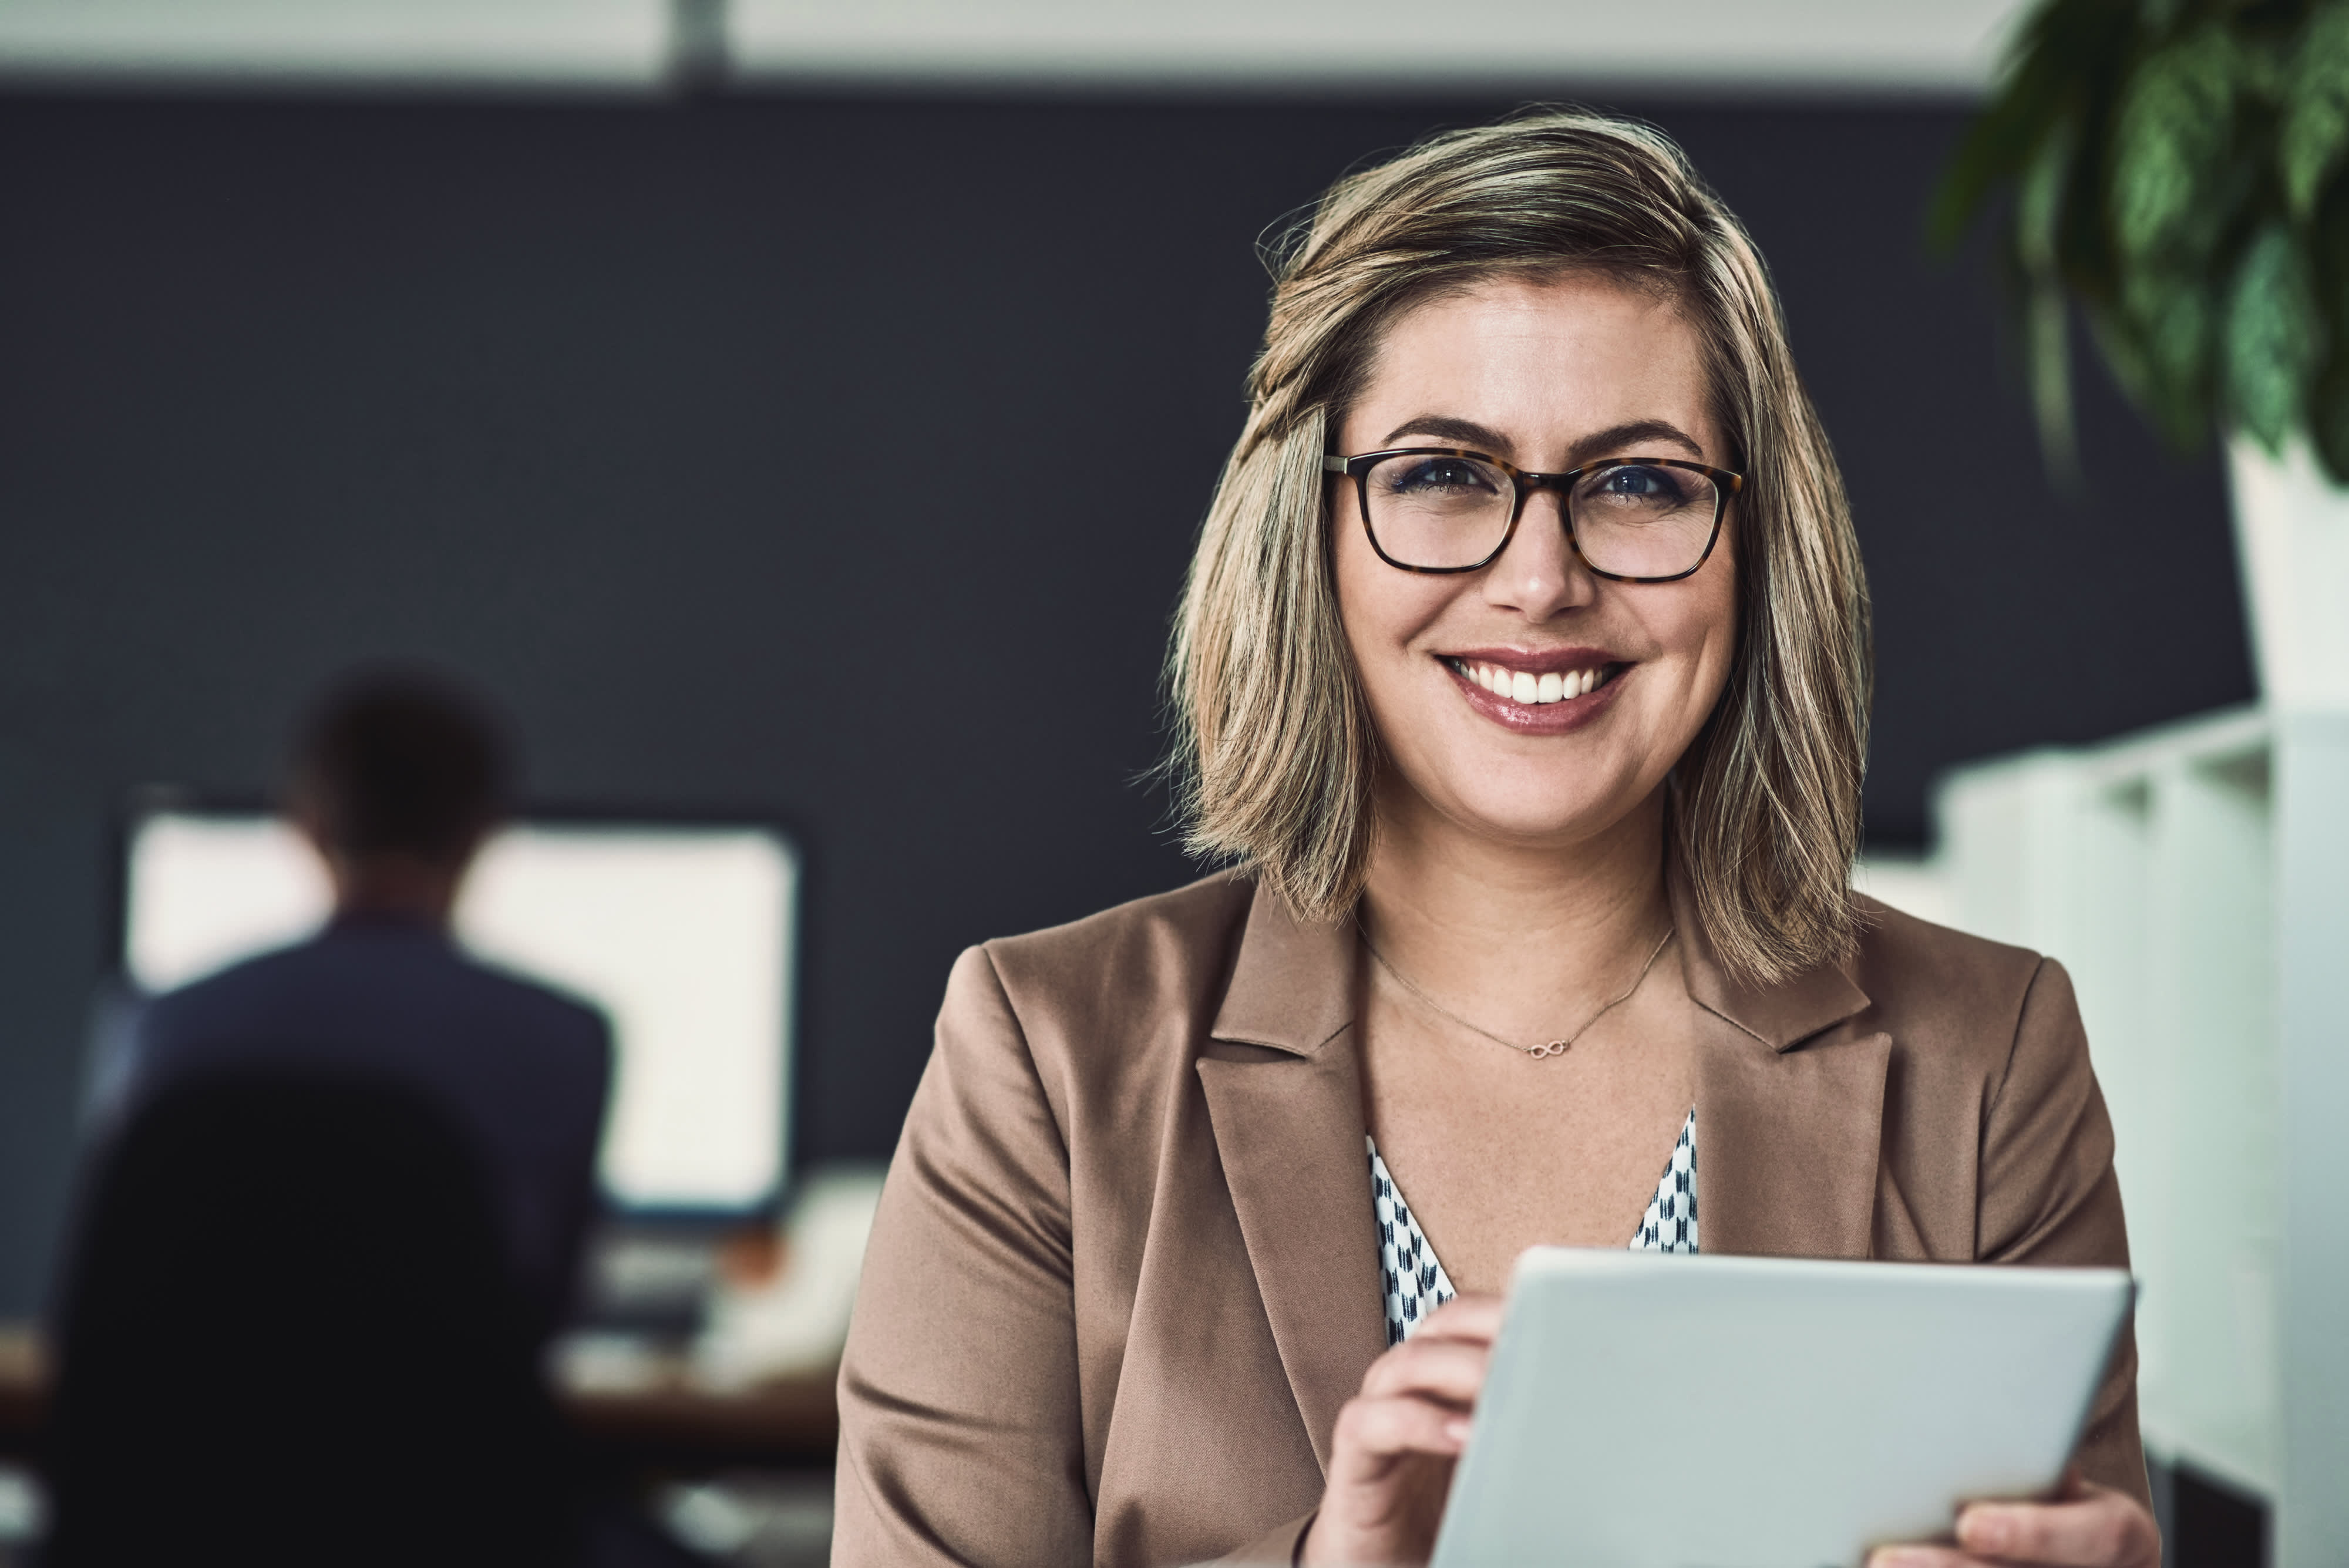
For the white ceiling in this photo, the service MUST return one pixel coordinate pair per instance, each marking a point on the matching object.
(1770, 47)
(608, 43)
(1767, 45)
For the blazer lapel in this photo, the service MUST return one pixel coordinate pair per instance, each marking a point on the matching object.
(1786, 1145)
(1789, 1110)
(1287, 1111)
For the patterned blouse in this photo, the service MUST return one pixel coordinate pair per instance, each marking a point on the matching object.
(1416, 1283)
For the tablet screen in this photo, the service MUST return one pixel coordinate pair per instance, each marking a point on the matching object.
(1652, 1411)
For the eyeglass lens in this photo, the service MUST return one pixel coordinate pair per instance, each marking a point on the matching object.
(1631, 519)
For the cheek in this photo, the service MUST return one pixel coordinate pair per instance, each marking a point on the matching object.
(1725, 602)
(1381, 608)
(1697, 632)
(1709, 635)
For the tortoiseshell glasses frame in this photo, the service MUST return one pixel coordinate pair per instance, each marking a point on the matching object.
(1523, 483)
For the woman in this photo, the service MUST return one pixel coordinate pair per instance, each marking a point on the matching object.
(1522, 671)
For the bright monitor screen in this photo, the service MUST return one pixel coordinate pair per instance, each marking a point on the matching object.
(682, 934)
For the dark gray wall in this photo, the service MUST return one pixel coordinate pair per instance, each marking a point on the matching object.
(839, 460)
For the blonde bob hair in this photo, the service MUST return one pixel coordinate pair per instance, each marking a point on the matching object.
(1275, 756)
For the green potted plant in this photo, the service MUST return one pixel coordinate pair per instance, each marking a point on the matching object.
(2179, 170)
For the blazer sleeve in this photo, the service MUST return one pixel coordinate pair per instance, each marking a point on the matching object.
(2049, 1196)
(960, 1429)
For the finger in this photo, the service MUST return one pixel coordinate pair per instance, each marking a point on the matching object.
(1923, 1557)
(1449, 1370)
(2103, 1529)
(1377, 1429)
(1476, 1317)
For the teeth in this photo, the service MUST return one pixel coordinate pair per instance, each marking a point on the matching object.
(1534, 690)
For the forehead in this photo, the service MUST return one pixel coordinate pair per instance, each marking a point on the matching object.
(1540, 355)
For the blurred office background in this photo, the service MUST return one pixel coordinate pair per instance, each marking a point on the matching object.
(801, 415)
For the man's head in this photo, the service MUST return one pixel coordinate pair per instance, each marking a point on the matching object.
(396, 778)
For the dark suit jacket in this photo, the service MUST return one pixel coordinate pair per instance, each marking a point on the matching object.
(1124, 1272)
(524, 1070)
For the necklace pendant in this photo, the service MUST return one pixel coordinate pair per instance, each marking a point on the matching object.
(1555, 1048)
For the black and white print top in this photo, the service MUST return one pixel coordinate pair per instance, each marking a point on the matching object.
(1416, 1283)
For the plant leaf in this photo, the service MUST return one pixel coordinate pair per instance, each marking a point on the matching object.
(2048, 341)
(2047, 338)
(2177, 172)
(2328, 423)
(2315, 129)
(2164, 317)
(2171, 139)
(2039, 198)
(2328, 399)
(2274, 336)
(2063, 52)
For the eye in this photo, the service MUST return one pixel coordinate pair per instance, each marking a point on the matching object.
(1437, 477)
(1640, 492)
(1640, 482)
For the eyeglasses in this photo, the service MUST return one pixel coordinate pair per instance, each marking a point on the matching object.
(1630, 519)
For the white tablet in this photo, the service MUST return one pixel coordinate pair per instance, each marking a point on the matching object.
(1653, 1412)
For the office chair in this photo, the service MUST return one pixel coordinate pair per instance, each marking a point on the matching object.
(286, 1336)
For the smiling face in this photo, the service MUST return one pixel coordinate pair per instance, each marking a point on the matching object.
(1532, 702)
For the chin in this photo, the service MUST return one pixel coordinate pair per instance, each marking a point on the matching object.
(1535, 816)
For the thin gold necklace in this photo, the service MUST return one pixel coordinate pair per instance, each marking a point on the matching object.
(1548, 1048)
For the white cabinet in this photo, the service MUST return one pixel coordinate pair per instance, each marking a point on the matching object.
(2195, 881)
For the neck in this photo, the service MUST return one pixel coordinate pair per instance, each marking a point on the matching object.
(403, 887)
(1531, 935)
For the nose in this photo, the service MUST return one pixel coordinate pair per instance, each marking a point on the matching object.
(1539, 576)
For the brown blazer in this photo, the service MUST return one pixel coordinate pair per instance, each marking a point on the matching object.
(1124, 1272)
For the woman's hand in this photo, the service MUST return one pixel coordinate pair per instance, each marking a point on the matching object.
(1397, 1440)
(1391, 1461)
(2088, 1526)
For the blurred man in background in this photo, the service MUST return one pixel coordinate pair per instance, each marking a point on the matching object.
(396, 779)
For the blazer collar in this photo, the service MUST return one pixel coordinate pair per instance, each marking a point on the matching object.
(1292, 986)
(1787, 1139)
(1780, 1016)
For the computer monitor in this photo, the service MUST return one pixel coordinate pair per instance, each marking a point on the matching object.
(682, 932)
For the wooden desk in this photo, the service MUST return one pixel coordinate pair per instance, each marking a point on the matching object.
(669, 1424)
(24, 1389)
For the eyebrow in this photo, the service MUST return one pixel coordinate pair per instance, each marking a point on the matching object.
(1608, 442)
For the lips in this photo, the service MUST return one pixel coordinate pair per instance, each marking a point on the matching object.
(1524, 686)
(1544, 690)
